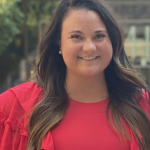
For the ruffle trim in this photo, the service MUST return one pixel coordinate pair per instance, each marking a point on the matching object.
(134, 144)
(47, 143)
(14, 125)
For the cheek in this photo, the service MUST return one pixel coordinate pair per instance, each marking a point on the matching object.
(69, 54)
(70, 50)
(107, 50)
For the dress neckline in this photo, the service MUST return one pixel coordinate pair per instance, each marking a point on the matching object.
(82, 107)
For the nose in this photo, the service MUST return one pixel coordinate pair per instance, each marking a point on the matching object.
(89, 46)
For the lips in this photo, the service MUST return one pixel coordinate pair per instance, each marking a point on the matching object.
(88, 58)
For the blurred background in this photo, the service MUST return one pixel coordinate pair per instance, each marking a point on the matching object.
(22, 23)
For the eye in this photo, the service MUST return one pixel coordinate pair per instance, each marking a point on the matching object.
(76, 36)
(98, 36)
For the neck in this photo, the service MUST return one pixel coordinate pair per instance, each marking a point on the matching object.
(88, 90)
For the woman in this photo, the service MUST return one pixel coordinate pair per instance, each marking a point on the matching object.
(84, 94)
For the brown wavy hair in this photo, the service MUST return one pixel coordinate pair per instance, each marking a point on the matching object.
(122, 80)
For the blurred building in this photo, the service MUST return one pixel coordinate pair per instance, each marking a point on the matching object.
(134, 18)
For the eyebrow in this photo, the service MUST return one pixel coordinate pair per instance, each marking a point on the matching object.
(77, 31)
(101, 31)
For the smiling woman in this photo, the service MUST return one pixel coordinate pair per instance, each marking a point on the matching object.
(84, 37)
(84, 93)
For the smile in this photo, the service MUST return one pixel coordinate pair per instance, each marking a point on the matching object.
(88, 58)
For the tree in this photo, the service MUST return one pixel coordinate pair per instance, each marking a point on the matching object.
(12, 50)
(10, 22)
(36, 11)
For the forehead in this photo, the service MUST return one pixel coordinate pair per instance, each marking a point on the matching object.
(82, 18)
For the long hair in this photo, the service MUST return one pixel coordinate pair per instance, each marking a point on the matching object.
(124, 84)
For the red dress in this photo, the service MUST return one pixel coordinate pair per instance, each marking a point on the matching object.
(15, 107)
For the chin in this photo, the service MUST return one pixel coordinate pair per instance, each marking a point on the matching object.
(92, 73)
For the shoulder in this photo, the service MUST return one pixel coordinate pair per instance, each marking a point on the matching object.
(23, 96)
(144, 102)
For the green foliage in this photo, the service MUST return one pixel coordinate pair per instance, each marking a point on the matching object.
(10, 22)
(11, 31)
(40, 11)
(11, 19)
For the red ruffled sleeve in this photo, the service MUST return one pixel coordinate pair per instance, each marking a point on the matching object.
(13, 135)
(47, 143)
(134, 143)
(16, 105)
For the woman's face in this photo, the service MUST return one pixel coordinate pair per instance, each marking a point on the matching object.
(85, 44)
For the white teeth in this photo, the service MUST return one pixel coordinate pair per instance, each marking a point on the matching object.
(88, 58)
